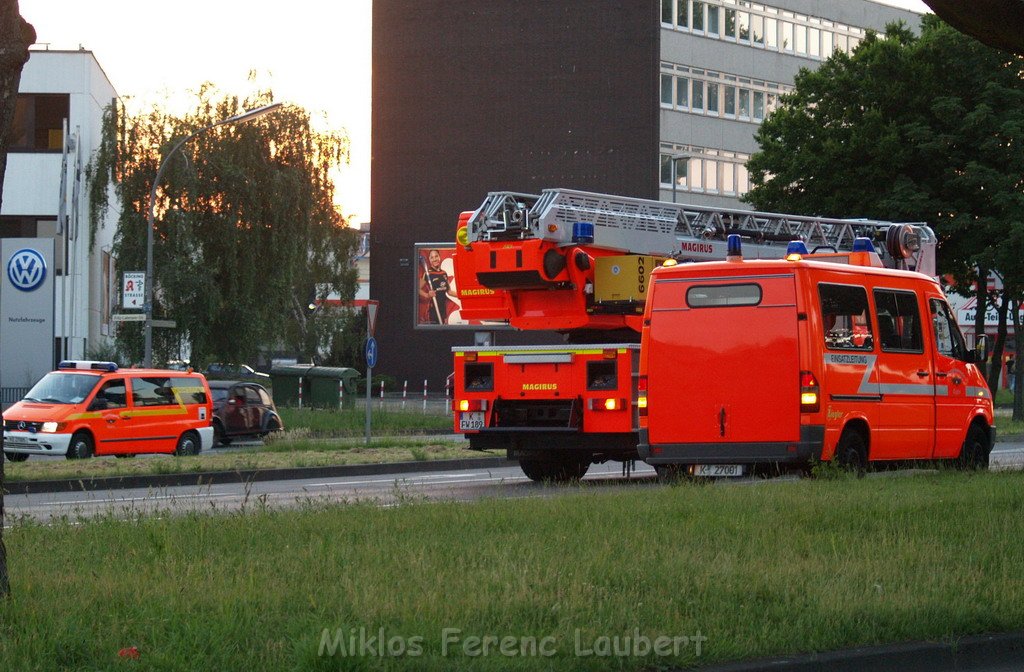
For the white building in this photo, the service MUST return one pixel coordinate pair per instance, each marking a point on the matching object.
(57, 130)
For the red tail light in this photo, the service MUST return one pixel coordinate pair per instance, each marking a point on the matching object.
(641, 395)
(810, 397)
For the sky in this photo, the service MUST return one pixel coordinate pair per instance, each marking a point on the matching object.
(313, 53)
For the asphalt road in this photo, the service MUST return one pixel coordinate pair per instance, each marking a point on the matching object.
(458, 485)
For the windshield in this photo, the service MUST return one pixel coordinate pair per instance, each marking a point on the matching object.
(62, 388)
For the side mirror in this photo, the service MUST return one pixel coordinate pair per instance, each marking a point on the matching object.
(99, 404)
(981, 352)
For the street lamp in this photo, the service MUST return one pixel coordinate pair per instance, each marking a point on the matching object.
(147, 355)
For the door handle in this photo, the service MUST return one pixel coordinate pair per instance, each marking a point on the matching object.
(941, 374)
(923, 374)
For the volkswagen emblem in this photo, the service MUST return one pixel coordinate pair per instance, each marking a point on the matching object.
(26, 269)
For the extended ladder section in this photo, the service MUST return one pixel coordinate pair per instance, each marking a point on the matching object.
(687, 232)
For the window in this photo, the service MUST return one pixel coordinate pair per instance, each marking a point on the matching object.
(801, 39)
(730, 100)
(744, 103)
(696, 174)
(187, 391)
(39, 122)
(666, 89)
(771, 33)
(899, 321)
(814, 42)
(711, 175)
(712, 98)
(842, 43)
(758, 105)
(151, 391)
(728, 177)
(697, 99)
(698, 15)
(743, 23)
(844, 311)
(713, 12)
(682, 92)
(718, 296)
(666, 11)
(114, 393)
(681, 14)
(787, 36)
(948, 339)
(757, 27)
(666, 169)
(827, 47)
(681, 165)
(730, 23)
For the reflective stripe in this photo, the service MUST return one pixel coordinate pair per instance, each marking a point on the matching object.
(868, 389)
(179, 410)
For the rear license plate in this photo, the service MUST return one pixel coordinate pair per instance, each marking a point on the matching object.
(471, 421)
(718, 470)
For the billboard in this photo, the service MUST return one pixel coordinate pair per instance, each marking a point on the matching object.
(26, 314)
(438, 304)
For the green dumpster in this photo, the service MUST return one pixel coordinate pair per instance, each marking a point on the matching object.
(322, 386)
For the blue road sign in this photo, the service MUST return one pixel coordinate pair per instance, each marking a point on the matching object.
(371, 352)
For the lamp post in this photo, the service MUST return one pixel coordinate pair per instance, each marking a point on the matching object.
(147, 355)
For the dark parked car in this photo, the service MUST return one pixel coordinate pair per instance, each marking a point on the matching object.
(242, 409)
(235, 372)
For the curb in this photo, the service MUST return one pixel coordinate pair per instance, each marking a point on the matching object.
(245, 476)
(977, 652)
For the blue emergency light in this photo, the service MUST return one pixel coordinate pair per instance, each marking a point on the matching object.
(796, 247)
(583, 232)
(733, 246)
(863, 245)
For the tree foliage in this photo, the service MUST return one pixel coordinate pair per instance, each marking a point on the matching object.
(908, 128)
(246, 231)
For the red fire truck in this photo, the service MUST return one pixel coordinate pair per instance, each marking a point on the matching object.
(579, 264)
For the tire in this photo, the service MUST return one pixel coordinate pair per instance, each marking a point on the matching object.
(554, 471)
(974, 454)
(16, 457)
(219, 438)
(272, 426)
(188, 444)
(81, 446)
(852, 452)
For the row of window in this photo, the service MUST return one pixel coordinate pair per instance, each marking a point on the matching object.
(760, 26)
(152, 391)
(702, 170)
(847, 318)
(717, 94)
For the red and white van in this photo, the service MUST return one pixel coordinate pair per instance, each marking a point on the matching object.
(796, 360)
(87, 408)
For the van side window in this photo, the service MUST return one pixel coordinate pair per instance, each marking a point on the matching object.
(151, 391)
(899, 321)
(189, 391)
(844, 312)
(716, 296)
(114, 392)
(948, 339)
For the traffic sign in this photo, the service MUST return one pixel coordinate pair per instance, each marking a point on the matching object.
(133, 291)
(371, 352)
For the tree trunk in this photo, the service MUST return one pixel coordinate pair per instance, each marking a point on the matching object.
(996, 366)
(1018, 351)
(16, 36)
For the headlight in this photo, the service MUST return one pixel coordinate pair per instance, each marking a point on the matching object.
(50, 427)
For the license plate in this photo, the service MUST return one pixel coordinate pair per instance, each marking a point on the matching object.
(718, 470)
(471, 421)
(16, 441)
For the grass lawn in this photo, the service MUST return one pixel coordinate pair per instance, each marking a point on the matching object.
(352, 421)
(280, 453)
(745, 571)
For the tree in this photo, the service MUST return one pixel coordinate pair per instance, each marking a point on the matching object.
(909, 128)
(16, 36)
(245, 225)
(997, 23)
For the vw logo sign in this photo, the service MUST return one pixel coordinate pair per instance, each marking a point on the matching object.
(26, 269)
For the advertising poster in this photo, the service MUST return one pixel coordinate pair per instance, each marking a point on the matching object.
(438, 303)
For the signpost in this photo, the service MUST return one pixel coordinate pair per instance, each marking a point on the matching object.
(133, 291)
(371, 361)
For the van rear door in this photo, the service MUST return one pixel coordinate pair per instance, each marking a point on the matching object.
(724, 360)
